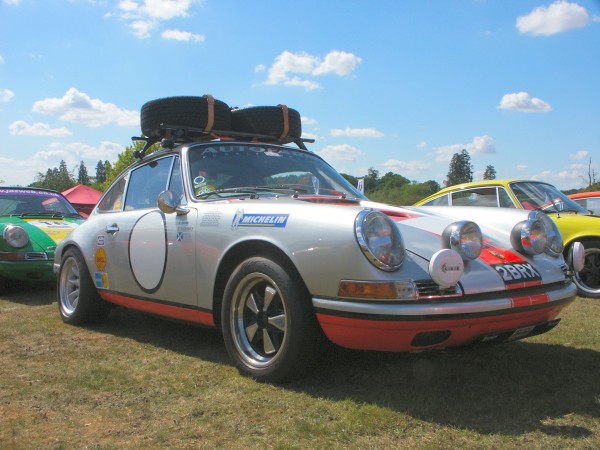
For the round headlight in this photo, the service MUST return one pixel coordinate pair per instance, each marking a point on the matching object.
(465, 238)
(530, 236)
(555, 245)
(15, 236)
(380, 240)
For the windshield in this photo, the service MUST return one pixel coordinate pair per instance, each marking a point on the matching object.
(545, 197)
(32, 202)
(231, 169)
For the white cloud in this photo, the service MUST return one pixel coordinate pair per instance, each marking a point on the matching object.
(288, 65)
(23, 172)
(22, 128)
(563, 180)
(11, 2)
(558, 17)
(356, 132)
(406, 167)
(481, 145)
(186, 36)
(342, 152)
(422, 144)
(144, 16)
(521, 167)
(581, 154)
(308, 121)
(1, 60)
(521, 101)
(78, 107)
(6, 95)
(141, 28)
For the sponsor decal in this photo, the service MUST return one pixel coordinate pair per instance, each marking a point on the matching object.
(179, 236)
(100, 241)
(101, 280)
(44, 194)
(100, 259)
(57, 230)
(517, 272)
(241, 219)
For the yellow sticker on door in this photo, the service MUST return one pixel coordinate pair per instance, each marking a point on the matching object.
(101, 259)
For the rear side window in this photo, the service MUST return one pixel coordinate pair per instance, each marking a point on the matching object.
(438, 201)
(475, 197)
(113, 199)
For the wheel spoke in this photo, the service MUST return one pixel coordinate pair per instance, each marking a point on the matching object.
(268, 343)
(251, 304)
(270, 293)
(278, 322)
(251, 331)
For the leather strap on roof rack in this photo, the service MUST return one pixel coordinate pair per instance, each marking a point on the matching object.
(286, 121)
(210, 121)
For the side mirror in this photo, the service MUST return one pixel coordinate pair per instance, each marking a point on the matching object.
(168, 202)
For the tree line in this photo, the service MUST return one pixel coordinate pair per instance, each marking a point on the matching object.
(389, 188)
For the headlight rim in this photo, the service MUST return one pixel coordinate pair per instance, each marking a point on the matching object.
(10, 240)
(521, 236)
(452, 238)
(359, 225)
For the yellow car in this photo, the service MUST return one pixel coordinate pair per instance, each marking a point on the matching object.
(574, 222)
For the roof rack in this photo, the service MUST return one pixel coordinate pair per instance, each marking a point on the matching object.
(173, 134)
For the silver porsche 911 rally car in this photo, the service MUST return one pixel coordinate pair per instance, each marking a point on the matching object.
(234, 228)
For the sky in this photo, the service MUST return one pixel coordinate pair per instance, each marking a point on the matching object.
(397, 86)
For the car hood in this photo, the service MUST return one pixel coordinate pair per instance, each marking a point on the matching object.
(43, 232)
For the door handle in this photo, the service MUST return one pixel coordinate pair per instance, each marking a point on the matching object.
(112, 229)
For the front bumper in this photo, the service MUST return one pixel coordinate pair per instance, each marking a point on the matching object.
(441, 323)
(27, 266)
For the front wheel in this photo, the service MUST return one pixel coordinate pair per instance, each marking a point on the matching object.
(588, 280)
(269, 326)
(78, 299)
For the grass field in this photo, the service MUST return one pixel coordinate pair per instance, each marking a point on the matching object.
(142, 382)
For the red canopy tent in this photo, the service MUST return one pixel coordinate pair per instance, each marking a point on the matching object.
(83, 198)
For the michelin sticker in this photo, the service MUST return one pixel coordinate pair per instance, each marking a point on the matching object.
(242, 219)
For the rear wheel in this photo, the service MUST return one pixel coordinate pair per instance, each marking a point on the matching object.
(269, 326)
(588, 280)
(78, 299)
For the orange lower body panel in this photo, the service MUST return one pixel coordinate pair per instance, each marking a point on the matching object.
(174, 312)
(398, 336)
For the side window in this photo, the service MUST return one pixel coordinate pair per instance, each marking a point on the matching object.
(475, 197)
(146, 182)
(505, 200)
(439, 201)
(113, 199)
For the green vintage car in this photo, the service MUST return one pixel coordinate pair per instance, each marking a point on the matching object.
(32, 222)
(575, 223)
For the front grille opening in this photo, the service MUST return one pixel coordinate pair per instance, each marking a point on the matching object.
(428, 289)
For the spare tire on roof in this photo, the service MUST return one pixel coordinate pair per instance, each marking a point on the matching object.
(277, 121)
(203, 112)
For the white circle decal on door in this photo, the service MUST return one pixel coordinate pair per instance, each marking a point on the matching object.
(148, 251)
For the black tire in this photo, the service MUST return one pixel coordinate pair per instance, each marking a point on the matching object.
(588, 280)
(184, 112)
(78, 299)
(269, 326)
(267, 120)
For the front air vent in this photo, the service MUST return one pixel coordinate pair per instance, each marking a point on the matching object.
(36, 256)
(428, 289)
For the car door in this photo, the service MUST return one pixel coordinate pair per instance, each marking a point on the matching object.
(144, 253)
